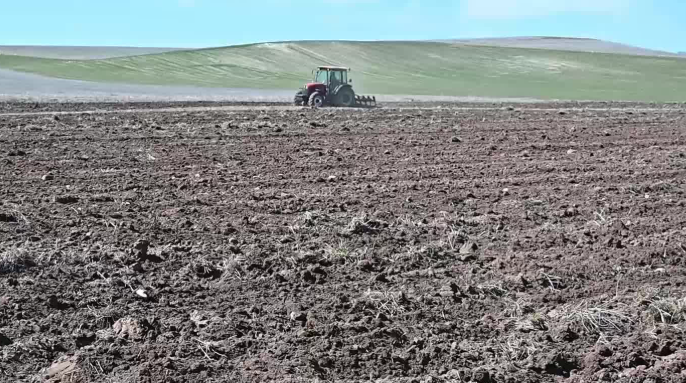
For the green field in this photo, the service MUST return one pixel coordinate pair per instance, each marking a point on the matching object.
(400, 68)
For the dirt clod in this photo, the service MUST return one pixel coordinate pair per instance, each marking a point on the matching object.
(141, 248)
(66, 200)
(17, 153)
(56, 303)
(131, 328)
(85, 339)
(65, 371)
(468, 247)
(5, 340)
(5, 217)
(481, 376)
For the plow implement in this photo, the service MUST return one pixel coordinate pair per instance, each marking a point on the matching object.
(365, 101)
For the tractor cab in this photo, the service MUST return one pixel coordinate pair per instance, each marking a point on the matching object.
(331, 76)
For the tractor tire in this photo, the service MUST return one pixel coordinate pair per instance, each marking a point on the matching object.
(345, 97)
(316, 100)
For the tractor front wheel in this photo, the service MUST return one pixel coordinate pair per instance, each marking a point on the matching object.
(316, 100)
(346, 97)
(298, 101)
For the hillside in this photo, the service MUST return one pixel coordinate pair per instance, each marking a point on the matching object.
(563, 44)
(407, 68)
(79, 53)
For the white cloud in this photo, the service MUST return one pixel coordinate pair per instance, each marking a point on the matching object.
(509, 9)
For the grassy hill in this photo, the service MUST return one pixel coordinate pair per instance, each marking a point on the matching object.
(576, 44)
(408, 68)
(79, 53)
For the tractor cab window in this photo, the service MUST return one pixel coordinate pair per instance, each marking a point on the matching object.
(322, 77)
(336, 77)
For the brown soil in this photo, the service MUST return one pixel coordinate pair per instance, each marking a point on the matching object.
(443, 245)
(71, 107)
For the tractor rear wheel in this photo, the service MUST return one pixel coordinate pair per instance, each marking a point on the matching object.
(345, 97)
(316, 100)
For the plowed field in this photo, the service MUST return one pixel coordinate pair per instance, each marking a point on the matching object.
(267, 243)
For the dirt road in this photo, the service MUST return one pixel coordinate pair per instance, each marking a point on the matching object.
(483, 244)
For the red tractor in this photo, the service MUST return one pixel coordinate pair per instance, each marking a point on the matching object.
(331, 86)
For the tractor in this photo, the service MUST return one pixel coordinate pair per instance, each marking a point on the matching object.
(331, 86)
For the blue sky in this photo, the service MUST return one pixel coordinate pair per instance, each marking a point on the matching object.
(658, 24)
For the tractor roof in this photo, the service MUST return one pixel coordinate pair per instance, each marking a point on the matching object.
(333, 68)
